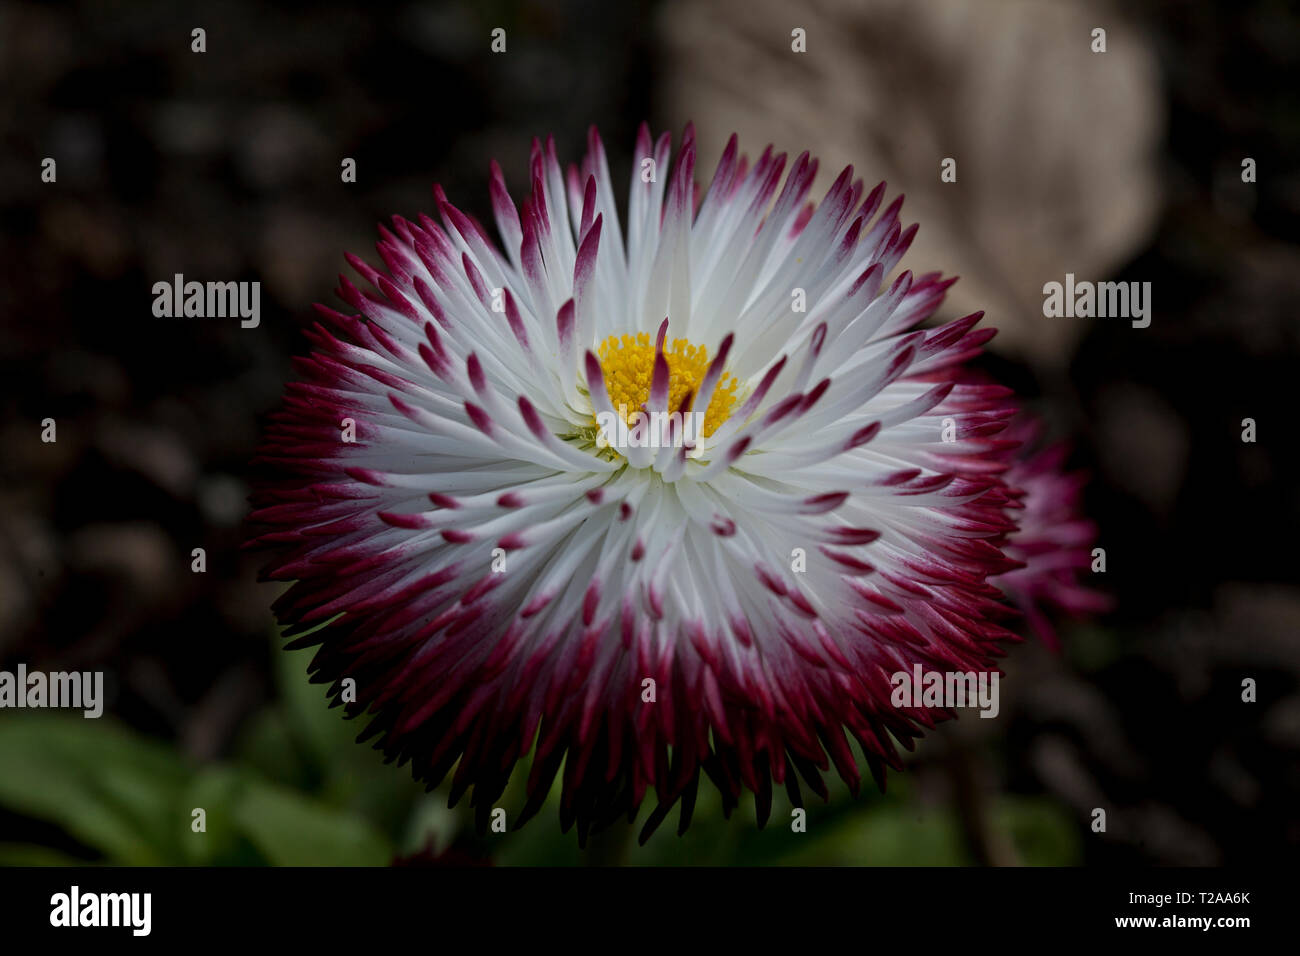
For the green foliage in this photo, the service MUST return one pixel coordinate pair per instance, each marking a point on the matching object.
(298, 790)
(105, 787)
(132, 801)
(290, 831)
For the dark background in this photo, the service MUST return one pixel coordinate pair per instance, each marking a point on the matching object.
(225, 165)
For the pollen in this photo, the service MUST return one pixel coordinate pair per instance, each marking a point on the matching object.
(628, 365)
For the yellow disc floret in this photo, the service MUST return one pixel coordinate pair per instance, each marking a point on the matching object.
(628, 365)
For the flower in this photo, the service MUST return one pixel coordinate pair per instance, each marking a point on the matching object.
(1053, 539)
(526, 547)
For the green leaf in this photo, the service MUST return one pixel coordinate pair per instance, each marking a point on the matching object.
(331, 765)
(106, 787)
(319, 729)
(889, 833)
(290, 830)
(29, 854)
(216, 792)
(1043, 832)
(267, 745)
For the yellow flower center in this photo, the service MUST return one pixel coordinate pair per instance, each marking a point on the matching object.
(628, 365)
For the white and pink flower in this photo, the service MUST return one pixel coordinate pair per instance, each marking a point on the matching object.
(500, 582)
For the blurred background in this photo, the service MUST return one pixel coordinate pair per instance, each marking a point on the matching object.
(225, 165)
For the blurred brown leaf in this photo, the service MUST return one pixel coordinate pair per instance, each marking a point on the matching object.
(1055, 144)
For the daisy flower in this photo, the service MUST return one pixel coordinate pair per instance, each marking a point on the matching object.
(1053, 540)
(641, 502)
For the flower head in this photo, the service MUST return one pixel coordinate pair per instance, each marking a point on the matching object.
(1052, 539)
(642, 507)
